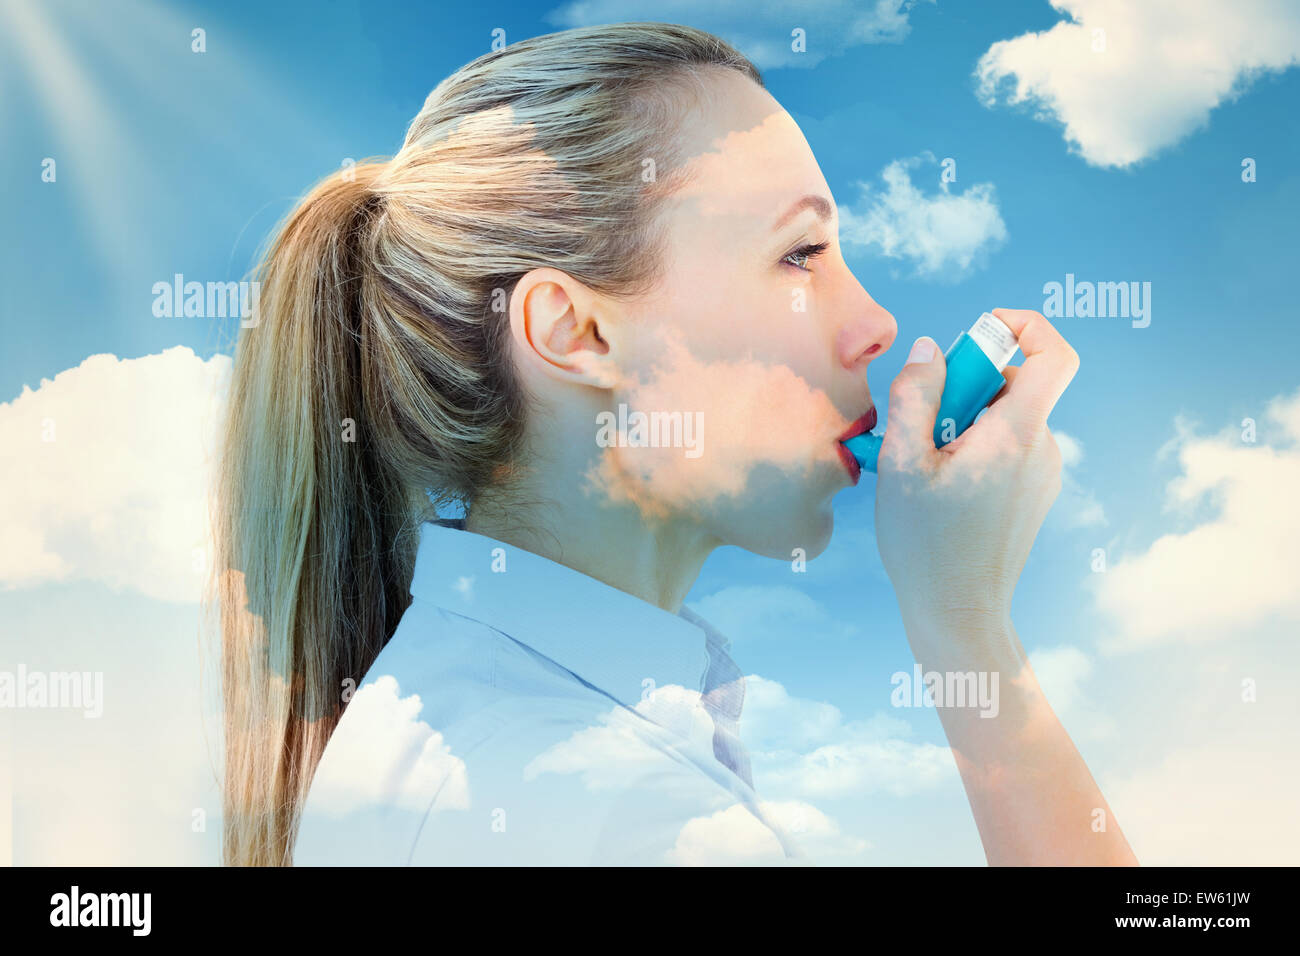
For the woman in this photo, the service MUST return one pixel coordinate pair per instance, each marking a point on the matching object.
(596, 299)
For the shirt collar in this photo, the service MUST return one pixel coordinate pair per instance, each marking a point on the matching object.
(611, 639)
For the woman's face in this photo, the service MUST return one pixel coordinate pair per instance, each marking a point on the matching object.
(759, 350)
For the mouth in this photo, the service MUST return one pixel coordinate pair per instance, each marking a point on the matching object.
(863, 424)
(849, 462)
(860, 425)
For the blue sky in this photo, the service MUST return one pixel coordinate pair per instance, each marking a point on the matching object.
(169, 161)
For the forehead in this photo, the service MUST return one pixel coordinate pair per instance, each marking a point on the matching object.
(742, 154)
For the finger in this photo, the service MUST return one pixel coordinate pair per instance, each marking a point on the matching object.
(1049, 365)
(1009, 373)
(913, 405)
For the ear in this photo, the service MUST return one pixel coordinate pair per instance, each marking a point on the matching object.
(561, 328)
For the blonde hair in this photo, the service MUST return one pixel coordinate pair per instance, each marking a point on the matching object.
(376, 383)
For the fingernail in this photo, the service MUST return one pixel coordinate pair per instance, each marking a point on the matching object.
(922, 351)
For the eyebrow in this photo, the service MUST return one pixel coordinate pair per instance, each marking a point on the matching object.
(821, 205)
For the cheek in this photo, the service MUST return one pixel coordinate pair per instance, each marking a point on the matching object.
(705, 434)
(771, 321)
(781, 328)
(775, 321)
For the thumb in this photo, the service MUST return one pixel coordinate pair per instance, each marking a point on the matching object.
(913, 407)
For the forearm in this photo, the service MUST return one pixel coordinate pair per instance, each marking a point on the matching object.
(1032, 796)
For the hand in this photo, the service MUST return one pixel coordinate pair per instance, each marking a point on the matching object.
(954, 525)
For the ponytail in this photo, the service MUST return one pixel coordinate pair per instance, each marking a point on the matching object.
(320, 524)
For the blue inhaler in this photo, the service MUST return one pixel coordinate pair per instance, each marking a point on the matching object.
(975, 363)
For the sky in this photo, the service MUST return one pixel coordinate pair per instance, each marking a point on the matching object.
(977, 153)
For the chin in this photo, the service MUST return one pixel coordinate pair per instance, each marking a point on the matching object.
(778, 531)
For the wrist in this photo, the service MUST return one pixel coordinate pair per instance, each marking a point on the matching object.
(963, 637)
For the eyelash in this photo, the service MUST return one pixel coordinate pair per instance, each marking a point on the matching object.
(807, 252)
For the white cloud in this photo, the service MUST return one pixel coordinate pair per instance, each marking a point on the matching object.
(762, 33)
(383, 755)
(797, 747)
(1075, 507)
(1219, 804)
(819, 836)
(1071, 449)
(735, 837)
(860, 767)
(730, 837)
(803, 748)
(773, 720)
(1231, 572)
(943, 235)
(112, 474)
(1165, 65)
(138, 785)
(1062, 673)
(614, 753)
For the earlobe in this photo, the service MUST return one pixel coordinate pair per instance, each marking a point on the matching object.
(554, 321)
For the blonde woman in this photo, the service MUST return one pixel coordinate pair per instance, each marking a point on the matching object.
(597, 301)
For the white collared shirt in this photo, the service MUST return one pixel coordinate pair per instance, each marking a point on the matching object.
(524, 713)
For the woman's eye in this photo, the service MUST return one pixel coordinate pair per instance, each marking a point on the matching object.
(800, 257)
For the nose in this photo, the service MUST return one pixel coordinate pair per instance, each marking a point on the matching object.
(868, 331)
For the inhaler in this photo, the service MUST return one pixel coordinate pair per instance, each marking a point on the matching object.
(975, 363)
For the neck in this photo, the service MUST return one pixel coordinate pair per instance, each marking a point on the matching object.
(656, 560)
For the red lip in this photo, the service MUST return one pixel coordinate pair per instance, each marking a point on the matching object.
(851, 463)
(863, 424)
